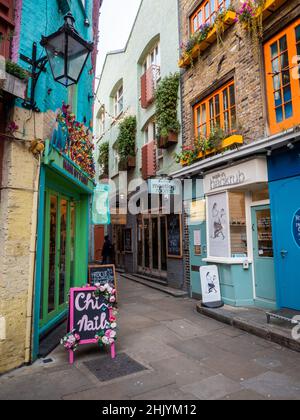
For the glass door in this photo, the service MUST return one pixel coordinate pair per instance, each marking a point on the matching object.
(59, 255)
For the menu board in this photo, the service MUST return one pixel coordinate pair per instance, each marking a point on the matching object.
(174, 231)
(102, 274)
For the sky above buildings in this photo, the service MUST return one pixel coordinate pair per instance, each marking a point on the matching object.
(116, 20)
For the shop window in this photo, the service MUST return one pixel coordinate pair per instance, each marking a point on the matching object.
(206, 13)
(238, 230)
(282, 65)
(227, 231)
(216, 111)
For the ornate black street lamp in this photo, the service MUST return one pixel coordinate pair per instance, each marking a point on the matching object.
(67, 54)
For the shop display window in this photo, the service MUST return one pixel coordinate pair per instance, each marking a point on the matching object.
(227, 228)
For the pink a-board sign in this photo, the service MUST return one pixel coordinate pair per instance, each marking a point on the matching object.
(89, 315)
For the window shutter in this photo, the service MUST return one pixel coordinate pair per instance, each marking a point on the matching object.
(6, 26)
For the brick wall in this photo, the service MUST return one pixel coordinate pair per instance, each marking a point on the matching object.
(237, 59)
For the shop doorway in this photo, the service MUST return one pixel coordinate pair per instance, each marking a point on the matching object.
(119, 246)
(59, 257)
(263, 257)
(286, 209)
(152, 246)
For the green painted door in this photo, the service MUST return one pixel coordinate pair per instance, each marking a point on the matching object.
(59, 255)
(263, 254)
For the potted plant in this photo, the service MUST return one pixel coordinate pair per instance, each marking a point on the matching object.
(103, 159)
(126, 143)
(166, 102)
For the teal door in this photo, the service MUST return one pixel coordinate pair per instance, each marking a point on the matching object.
(263, 254)
(197, 234)
(286, 214)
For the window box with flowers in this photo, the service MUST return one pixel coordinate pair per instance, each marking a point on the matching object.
(103, 159)
(15, 81)
(205, 36)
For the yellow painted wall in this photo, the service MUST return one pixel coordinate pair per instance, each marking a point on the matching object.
(18, 217)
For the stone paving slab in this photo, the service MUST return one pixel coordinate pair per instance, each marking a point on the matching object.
(274, 385)
(213, 388)
(188, 356)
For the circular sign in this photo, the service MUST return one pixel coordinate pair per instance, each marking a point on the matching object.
(296, 227)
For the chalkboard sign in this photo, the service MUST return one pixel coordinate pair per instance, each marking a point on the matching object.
(89, 315)
(128, 240)
(102, 274)
(174, 230)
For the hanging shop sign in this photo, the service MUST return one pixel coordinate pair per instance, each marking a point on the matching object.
(218, 225)
(210, 285)
(247, 173)
(101, 208)
(92, 319)
(163, 186)
(102, 274)
(197, 212)
(296, 227)
(174, 230)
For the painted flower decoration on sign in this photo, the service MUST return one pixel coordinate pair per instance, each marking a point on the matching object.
(71, 341)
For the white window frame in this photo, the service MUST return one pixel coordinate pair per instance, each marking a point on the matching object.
(153, 59)
(119, 101)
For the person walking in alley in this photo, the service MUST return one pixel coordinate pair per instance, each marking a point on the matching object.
(107, 251)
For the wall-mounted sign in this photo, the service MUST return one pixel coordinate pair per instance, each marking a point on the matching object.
(197, 237)
(250, 172)
(210, 285)
(218, 225)
(296, 227)
(164, 186)
(118, 219)
(174, 230)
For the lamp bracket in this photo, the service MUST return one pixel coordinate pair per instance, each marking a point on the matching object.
(37, 67)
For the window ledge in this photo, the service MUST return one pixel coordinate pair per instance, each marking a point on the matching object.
(187, 59)
(226, 143)
(271, 6)
(228, 261)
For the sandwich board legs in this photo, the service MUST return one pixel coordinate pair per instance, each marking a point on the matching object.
(113, 351)
(71, 357)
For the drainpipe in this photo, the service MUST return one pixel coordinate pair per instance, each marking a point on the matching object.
(31, 287)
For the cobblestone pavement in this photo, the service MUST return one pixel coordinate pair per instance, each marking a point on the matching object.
(184, 356)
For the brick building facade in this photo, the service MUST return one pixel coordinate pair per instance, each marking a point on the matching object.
(234, 57)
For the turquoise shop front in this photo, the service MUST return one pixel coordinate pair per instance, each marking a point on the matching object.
(234, 232)
(63, 238)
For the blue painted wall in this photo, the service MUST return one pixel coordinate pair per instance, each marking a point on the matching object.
(42, 17)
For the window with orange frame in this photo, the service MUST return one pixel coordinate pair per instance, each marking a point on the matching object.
(282, 64)
(206, 13)
(216, 111)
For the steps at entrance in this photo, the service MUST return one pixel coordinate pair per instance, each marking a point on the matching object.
(156, 284)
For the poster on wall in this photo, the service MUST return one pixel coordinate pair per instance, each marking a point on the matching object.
(210, 285)
(218, 222)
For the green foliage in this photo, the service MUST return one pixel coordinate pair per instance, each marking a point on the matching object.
(166, 101)
(104, 156)
(127, 138)
(190, 154)
(16, 70)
